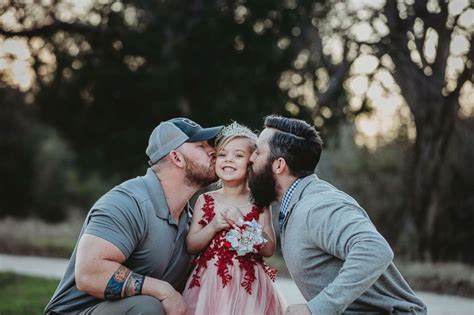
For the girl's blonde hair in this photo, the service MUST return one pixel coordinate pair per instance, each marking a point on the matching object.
(235, 130)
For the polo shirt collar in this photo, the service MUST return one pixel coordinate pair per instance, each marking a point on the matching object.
(156, 194)
(158, 200)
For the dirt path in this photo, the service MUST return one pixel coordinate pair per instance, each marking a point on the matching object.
(438, 304)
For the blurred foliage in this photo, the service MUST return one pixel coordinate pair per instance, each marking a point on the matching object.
(377, 181)
(374, 179)
(453, 232)
(17, 154)
(52, 162)
(111, 83)
(38, 169)
(106, 72)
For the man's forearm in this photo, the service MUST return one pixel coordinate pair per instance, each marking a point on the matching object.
(99, 272)
(123, 283)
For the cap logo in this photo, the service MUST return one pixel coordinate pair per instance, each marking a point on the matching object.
(190, 123)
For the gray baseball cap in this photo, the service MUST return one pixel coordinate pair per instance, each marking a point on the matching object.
(171, 134)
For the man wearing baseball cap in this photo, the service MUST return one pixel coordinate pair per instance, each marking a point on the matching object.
(131, 256)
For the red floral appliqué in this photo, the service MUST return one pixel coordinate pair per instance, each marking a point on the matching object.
(219, 248)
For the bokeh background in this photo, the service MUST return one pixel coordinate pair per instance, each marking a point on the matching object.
(388, 83)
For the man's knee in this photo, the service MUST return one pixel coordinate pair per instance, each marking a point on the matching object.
(134, 305)
(145, 305)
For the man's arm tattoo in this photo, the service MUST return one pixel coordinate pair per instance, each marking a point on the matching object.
(123, 283)
(134, 284)
(113, 290)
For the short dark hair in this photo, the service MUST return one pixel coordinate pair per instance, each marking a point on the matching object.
(297, 142)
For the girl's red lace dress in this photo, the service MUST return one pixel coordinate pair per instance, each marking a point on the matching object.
(224, 283)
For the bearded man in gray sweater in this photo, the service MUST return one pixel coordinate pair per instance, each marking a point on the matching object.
(337, 258)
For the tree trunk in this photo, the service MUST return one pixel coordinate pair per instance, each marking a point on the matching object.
(434, 112)
(435, 116)
(424, 183)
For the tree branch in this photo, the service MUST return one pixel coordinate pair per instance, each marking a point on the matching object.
(57, 26)
(407, 74)
(335, 82)
(442, 52)
(420, 42)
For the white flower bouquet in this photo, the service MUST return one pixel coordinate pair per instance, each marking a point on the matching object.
(245, 237)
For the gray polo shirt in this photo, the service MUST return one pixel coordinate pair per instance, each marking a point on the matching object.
(135, 217)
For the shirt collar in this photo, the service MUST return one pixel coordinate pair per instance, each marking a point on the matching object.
(156, 194)
(287, 196)
(158, 199)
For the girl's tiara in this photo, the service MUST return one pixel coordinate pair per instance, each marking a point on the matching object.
(236, 130)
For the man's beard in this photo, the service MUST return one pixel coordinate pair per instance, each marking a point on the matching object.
(199, 175)
(262, 185)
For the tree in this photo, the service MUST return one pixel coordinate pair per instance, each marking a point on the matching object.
(107, 73)
(430, 90)
(214, 61)
(428, 49)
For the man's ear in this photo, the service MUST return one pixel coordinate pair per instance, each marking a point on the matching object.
(279, 166)
(177, 158)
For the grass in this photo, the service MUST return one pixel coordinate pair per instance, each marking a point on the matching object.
(24, 294)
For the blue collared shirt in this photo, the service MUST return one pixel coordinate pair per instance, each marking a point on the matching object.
(286, 202)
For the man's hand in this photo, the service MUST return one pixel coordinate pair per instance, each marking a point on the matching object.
(173, 303)
(298, 309)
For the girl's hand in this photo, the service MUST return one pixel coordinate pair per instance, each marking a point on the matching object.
(219, 222)
(232, 214)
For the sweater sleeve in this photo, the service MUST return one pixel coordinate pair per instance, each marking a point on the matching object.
(344, 231)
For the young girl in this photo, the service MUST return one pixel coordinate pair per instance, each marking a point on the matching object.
(222, 281)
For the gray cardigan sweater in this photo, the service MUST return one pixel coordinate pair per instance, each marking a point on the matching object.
(339, 261)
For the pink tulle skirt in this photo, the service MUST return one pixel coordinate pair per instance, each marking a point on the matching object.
(213, 299)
